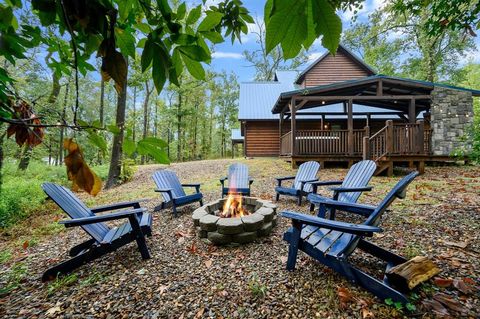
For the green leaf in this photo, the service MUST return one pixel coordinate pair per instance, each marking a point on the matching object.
(194, 68)
(194, 52)
(97, 141)
(213, 36)
(389, 301)
(155, 148)
(328, 24)
(129, 146)
(141, 43)
(159, 73)
(125, 41)
(287, 18)
(194, 15)
(4, 114)
(143, 27)
(112, 128)
(183, 39)
(182, 9)
(211, 21)
(410, 307)
(147, 54)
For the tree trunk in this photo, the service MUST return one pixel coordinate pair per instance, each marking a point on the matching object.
(2, 137)
(62, 129)
(25, 158)
(134, 112)
(145, 116)
(179, 128)
(101, 115)
(155, 120)
(116, 159)
(194, 147)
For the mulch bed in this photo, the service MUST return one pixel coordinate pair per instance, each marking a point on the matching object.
(187, 278)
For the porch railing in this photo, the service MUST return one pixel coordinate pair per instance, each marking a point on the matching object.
(314, 142)
(286, 144)
(398, 139)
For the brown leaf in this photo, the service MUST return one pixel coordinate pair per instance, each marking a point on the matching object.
(366, 313)
(199, 313)
(192, 248)
(462, 245)
(283, 259)
(436, 307)
(114, 66)
(25, 244)
(448, 301)
(344, 295)
(208, 263)
(163, 288)
(442, 282)
(462, 287)
(78, 171)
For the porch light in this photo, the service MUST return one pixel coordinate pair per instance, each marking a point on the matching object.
(325, 126)
(323, 102)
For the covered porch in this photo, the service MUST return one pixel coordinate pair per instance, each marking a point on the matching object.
(376, 118)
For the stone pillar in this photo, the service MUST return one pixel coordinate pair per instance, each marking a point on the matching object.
(451, 114)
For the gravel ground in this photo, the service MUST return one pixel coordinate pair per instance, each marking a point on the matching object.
(187, 278)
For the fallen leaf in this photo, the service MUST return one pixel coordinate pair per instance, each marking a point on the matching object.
(436, 307)
(283, 259)
(462, 287)
(208, 263)
(344, 295)
(192, 248)
(448, 301)
(442, 282)
(25, 244)
(52, 311)
(200, 313)
(462, 245)
(366, 313)
(163, 288)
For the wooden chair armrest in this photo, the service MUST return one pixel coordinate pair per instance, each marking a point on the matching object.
(351, 189)
(360, 209)
(102, 218)
(280, 179)
(355, 229)
(110, 207)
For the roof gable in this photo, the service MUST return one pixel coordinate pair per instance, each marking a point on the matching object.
(334, 68)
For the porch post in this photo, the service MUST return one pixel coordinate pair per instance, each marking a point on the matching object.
(411, 112)
(350, 126)
(293, 125)
(322, 122)
(280, 127)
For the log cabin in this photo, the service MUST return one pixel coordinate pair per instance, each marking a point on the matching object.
(340, 110)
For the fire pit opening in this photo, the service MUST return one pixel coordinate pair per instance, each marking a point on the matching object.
(235, 219)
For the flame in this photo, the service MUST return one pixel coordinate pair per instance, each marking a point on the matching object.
(233, 206)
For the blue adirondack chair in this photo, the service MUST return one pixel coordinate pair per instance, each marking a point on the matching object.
(172, 191)
(238, 180)
(349, 190)
(332, 242)
(104, 239)
(307, 173)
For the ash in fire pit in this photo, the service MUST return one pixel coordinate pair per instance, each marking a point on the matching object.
(235, 219)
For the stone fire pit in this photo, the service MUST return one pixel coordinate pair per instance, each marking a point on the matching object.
(239, 230)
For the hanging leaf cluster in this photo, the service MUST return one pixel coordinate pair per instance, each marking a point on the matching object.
(78, 172)
(26, 126)
(296, 24)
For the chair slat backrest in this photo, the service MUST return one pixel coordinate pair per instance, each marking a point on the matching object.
(398, 191)
(358, 176)
(167, 179)
(307, 171)
(75, 208)
(238, 176)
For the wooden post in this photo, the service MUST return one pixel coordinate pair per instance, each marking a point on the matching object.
(366, 148)
(280, 132)
(369, 119)
(411, 112)
(421, 137)
(293, 126)
(350, 126)
(380, 88)
(322, 122)
(389, 140)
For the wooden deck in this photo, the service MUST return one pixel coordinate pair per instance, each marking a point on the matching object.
(395, 144)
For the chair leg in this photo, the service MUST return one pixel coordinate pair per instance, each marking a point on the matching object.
(277, 197)
(293, 249)
(312, 207)
(175, 210)
(299, 201)
(139, 237)
(201, 202)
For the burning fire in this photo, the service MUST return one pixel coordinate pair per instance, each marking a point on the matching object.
(233, 207)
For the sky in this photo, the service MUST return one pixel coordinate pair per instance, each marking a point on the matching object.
(228, 56)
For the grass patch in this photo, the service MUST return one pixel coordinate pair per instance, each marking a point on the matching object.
(5, 256)
(61, 282)
(14, 277)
